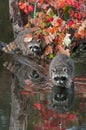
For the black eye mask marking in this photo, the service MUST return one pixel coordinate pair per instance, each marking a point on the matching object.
(63, 78)
(60, 78)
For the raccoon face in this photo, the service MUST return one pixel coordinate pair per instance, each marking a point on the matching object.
(62, 98)
(61, 70)
(35, 48)
(59, 76)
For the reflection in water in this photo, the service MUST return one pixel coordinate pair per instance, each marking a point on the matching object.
(25, 79)
(62, 98)
(37, 105)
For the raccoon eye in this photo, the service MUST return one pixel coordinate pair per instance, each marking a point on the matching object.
(63, 78)
(34, 74)
(36, 47)
(30, 47)
(56, 78)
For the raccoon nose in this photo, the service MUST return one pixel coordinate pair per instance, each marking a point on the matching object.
(33, 49)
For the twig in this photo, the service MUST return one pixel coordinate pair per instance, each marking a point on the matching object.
(35, 8)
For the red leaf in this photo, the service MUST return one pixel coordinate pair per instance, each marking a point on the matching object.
(24, 93)
(39, 106)
(72, 117)
(30, 8)
(70, 23)
(50, 19)
(70, 2)
(59, 20)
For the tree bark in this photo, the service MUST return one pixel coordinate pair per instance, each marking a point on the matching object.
(18, 20)
(17, 17)
(19, 106)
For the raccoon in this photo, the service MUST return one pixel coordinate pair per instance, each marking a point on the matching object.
(35, 47)
(62, 98)
(61, 71)
(26, 68)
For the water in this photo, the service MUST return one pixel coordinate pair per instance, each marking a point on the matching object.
(26, 93)
(5, 98)
(27, 97)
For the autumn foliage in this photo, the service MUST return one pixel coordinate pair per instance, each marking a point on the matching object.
(60, 22)
(52, 120)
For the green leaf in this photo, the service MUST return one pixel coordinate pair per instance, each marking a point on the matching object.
(66, 9)
(51, 56)
(66, 13)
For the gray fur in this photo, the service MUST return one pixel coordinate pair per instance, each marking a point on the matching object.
(61, 70)
(35, 47)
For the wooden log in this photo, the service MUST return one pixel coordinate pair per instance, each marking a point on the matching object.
(17, 17)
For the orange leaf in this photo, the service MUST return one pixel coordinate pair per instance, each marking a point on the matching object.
(82, 33)
(28, 38)
(61, 50)
(48, 50)
(77, 35)
(27, 25)
(54, 29)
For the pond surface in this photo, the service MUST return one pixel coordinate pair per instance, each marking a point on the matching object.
(28, 99)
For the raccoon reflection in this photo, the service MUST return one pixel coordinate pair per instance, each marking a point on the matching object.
(61, 71)
(22, 71)
(35, 47)
(63, 97)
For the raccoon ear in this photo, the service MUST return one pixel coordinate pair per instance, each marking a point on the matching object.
(65, 69)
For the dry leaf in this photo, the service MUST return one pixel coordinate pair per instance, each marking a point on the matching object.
(61, 50)
(28, 38)
(48, 50)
